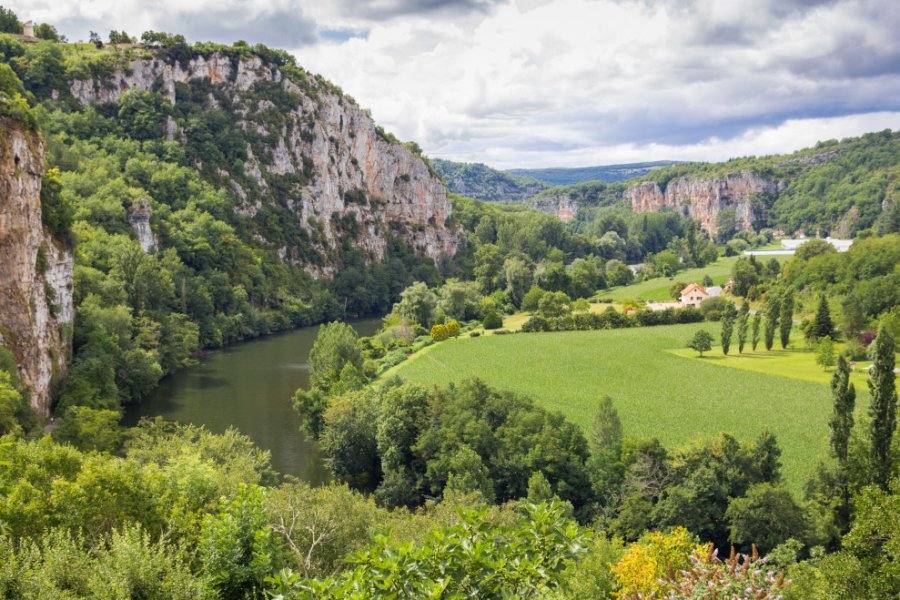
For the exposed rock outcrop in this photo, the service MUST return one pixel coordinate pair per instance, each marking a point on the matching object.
(704, 199)
(560, 206)
(36, 312)
(345, 176)
(139, 218)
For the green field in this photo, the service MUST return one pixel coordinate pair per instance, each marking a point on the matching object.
(657, 290)
(656, 392)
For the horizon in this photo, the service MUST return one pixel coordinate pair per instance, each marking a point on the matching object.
(566, 83)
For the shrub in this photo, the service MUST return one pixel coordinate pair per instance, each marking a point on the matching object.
(492, 321)
(453, 329)
(439, 332)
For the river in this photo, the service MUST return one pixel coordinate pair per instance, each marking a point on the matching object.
(249, 386)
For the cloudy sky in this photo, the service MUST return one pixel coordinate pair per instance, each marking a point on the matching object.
(527, 83)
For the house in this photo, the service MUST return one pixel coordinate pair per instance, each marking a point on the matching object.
(28, 29)
(693, 295)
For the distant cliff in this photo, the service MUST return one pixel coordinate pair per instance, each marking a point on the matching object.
(704, 199)
(481, 182)
(308, 149)
(35, 271)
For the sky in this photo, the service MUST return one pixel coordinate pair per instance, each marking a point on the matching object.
(565, 83)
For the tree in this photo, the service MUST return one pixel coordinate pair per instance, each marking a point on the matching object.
(618, 273)
(95, 40)
(519, 275)
(766, 516)
(822, 325)
(492, 320)
(743, 322)
(236, 546)
(701, 342)
(773, 307)
(883, 407)
(727, 327)
(9, 22)
(532, 299)
(757, 320)
(675, 289)
(45, 31)
(843, 396)
(554, 304)
(787, 318)
(417, 303)
(89, 429)
(337, 345)
(825, 353)
(439, 332)
(452, 328)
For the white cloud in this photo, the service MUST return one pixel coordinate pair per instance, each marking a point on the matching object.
(569, 82)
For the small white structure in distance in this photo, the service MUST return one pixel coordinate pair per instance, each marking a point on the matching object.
(789, 246)
(28, 29)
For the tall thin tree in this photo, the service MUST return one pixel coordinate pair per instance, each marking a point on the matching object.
(843, 395)
(742, 324)
(757, 320)
(787, 318)
(727, 326)
(883, 408)
(773, 308)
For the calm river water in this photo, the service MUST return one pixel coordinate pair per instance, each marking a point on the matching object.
(249, 386)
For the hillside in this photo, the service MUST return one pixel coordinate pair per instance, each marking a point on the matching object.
(213, 194)
(606, 173)
(481, 182)
(836, 187)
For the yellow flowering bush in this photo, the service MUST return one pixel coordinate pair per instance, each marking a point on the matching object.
(643, 569)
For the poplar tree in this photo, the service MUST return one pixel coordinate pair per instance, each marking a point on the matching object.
(773, 306)
(883, 408)
(727, 326)
(787, 318)
(757, 320)
(843, 395)
(743, 322)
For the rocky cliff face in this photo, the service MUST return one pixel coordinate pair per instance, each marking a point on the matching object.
(36, 312)
(560, 206)
(345, 176)
(703, 199)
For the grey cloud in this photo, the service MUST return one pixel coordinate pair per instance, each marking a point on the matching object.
(388, 9)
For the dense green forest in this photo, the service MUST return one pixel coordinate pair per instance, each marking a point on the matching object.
(484, 183)
(605, 173)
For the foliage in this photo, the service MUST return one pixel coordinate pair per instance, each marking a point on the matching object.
(883, 406)
(643, 566)
(739, 575)
(89, 429)
(492, 321)
(475, 558)
(9, 22)
(825, 353)
(766, 516)
(787, 318)
(822, 326)
(236, 545)
(843, 395)
(701, 341)
(728, 316)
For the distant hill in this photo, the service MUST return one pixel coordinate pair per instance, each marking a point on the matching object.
(607, 173)
(481, 182)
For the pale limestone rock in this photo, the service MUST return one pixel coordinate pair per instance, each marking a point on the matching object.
(36, 313)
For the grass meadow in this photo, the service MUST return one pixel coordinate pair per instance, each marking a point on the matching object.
(657, 290)
(657, 392)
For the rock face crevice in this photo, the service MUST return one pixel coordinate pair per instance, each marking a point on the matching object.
(704, 199)
(36, 313)
(348, 167)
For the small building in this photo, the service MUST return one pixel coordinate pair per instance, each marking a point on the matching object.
(693, 295)
(28, 29)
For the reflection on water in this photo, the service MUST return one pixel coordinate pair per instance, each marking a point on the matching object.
(249, 386)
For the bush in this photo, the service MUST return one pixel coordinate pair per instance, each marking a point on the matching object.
(492, 321)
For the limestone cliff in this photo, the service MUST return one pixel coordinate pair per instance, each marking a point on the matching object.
(317, 154)
(36, 312)
(561, 206)
(703, 199)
